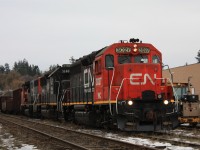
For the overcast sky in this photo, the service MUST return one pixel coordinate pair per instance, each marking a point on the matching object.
(47, 32)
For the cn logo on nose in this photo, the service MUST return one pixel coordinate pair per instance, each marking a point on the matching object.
(138, 79)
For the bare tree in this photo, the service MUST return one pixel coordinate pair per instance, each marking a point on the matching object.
(72, 60)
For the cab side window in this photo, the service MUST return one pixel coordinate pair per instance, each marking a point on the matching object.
(109, 61)
(155, 59)
(98, 66)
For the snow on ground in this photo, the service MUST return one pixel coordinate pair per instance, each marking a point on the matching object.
(27, 147)
(186, 133)
(139, 141)
(7, 141)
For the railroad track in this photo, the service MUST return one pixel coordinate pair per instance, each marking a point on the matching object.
(67, 138)
(168, 140)
(175, 134)
(189, 128)
(177, 140)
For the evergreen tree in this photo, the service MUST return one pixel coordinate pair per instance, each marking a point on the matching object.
(24, 68)
(7, 68)
(2, 69)
(198, 57)
(14, 78)
(53, 67)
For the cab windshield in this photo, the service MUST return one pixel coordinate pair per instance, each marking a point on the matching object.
(124, 59)
(141, 59)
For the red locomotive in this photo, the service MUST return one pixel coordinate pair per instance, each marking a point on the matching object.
(120, 85)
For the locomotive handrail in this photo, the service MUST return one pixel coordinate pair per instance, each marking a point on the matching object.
(174, 91)
(119, 91)
(110, 88)
(58, 95)
(68, 97)
(62, 98)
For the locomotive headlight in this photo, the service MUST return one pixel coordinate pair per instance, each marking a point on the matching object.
(130, 103)
(166, 102)
(135, 50)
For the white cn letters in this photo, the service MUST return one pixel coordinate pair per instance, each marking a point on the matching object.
(137, 79)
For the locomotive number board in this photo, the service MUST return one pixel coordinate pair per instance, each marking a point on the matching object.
(145, 50)
(123, 50)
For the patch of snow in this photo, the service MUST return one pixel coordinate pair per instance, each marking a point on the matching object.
(27, 147)
(185, 124)
(8, 142)
(185, 132)
(139, 141)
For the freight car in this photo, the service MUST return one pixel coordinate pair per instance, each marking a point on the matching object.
(120, 85)
(10, 101)
(6, 100)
